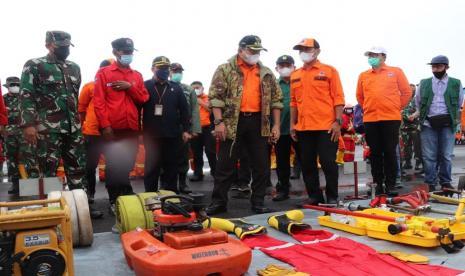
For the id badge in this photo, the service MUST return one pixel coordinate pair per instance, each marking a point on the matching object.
(158, 110)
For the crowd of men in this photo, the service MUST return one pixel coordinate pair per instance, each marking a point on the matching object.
(246, 112)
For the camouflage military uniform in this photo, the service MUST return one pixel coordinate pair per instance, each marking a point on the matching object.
(48, 101)
(410, 134)
(14, 142)
(243, 130)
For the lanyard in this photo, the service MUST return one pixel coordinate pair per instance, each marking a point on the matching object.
(162, 94)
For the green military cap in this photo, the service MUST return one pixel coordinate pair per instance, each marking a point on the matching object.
(60, 38)
(11, 80)
(285, 59)
(161, 61)
(251, 41)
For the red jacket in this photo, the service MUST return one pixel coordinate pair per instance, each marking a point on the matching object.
(118, 109)
(3, 113)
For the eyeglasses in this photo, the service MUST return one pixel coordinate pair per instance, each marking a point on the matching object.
(13, 85)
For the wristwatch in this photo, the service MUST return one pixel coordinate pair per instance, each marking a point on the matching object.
(217, 121)
(339, 121)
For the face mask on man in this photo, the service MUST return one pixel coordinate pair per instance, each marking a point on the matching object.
(251, 59)
(198, 91)
(374, 61)
(285, 72)
(307, 57)
(61, 53)
(439, 74)
(13, 89)
(125, 59)
(176, 77)
(163, 74)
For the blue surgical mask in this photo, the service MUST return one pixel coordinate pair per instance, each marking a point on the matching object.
(176, 77)
(162, 74)
(374, 61)
(125, 59)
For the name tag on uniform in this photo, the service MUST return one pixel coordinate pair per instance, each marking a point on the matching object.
(158, 110)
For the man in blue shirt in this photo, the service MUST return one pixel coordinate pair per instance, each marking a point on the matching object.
(438, 101)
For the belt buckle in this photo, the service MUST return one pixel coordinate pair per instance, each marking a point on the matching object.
(247, 114)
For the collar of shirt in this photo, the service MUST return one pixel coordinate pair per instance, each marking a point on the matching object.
(282, 80)
(444, 79)
(316, 65)
(114, 67)
(381, 68)
(52, 59)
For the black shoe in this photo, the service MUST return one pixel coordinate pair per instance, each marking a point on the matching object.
(214, 209)
(432, 188)
(261, 209)
(331, 201)
(13, 190)
(310, 201)
(446, 186)
(390, 191)
(196, 178)
(185, 189)
(407, 166)
(95, 214)
(238, 194)
(281, 196)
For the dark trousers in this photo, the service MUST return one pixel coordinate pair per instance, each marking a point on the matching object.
(248, 136)
(382, 138)
(120, 156)
(161, 153)
(283, 163)
(242, 174)
(314, 144)
(94, 148)
(204, 141)
(411, 140)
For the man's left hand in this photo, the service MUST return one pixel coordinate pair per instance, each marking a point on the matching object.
(121, 85)
(275, 132)
(335, 131)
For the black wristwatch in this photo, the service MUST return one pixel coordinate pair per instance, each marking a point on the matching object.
(339, 121)
(217, 121)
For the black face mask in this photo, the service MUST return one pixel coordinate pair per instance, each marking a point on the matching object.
(61, 53)
(163, 74)
(440, 74)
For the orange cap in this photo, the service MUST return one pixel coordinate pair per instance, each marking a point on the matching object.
(308, 43)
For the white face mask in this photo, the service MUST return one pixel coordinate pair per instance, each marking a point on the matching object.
(285, 72)
(198, 91)
(307, 57)
(13, 89)
(251, 59)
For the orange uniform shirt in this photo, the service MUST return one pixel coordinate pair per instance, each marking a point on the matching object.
(204, 112)
(383, 94)
(90, 125)
(251, 96)
(315, 92)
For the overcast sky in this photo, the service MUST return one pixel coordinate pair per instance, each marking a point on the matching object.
(203, 34)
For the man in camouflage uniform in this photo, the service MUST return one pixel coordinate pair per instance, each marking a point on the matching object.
(410, 134)
(244, 94)
(176, 70)
(13, 135)
(49, 113)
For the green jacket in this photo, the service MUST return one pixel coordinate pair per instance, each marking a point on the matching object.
(49, 95)
(12, 107)
(191, 98)
(226, 93)
(451, 98)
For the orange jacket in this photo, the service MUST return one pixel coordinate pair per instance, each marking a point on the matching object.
(315, 92)
(383, 94)
(204, 112)
(90, 124)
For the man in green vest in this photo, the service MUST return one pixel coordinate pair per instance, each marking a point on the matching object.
(438, 100)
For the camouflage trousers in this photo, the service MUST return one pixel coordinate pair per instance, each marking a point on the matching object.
(51, 147)
(14, 145)
(411, 139)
